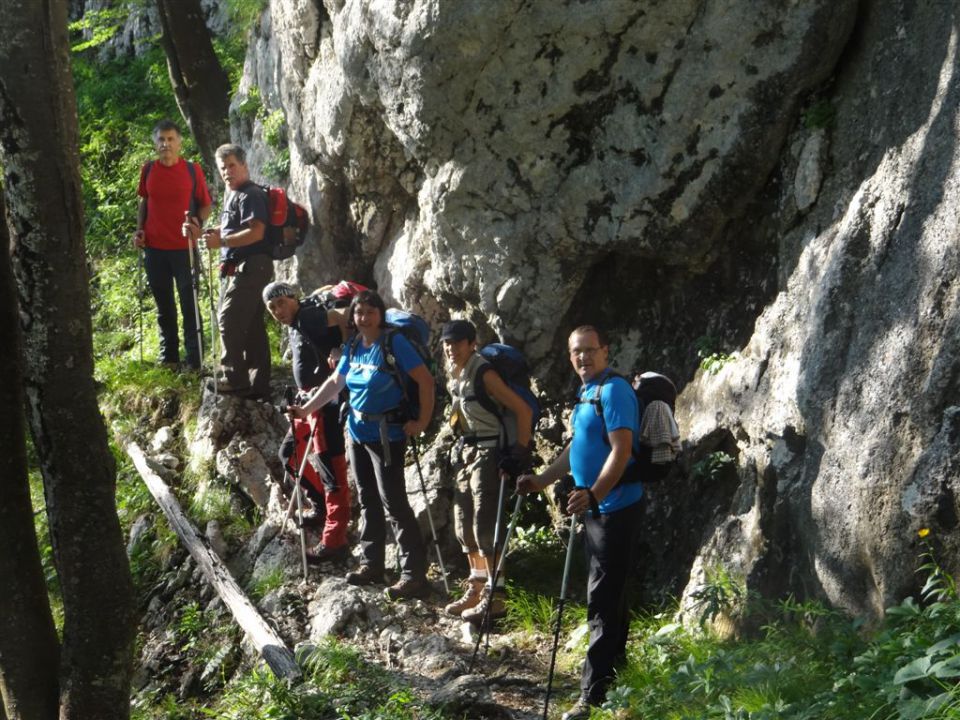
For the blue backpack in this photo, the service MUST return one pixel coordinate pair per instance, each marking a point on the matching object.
(511, 366)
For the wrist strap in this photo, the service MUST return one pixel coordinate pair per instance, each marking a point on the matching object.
(594, 505)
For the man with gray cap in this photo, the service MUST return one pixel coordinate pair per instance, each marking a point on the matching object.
(316, 335)
(479, 401)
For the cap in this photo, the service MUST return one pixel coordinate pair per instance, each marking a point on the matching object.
(459, 330)
(278, 289)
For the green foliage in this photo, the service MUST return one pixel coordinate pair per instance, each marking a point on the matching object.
(252, 105)
(819, 114)
(534, 538)
(277, 168)
(712, 466)
(531, 612)
(244, 13)
(118, 103)
(270, 581)
(711, 360)
(275, 130)
(337, 683)
(98, 25)
(191, 625)
(720, 593)
(807, 662)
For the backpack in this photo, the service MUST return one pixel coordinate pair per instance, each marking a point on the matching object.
(288, 223)
(648, 387)
(339, 295)
(417, 332)
(512, 367)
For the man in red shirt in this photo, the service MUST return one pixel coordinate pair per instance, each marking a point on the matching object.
(171, 188)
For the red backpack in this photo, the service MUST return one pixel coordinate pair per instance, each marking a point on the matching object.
(288, 223)
(339, 295)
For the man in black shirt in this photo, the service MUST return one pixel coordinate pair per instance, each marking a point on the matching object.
(316, 336)
(246, 265)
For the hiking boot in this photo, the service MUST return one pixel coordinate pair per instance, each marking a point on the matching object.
(408, 588)
(322, 553)
(580, 710)
(365, 575)
(472, 593)
(498, 607)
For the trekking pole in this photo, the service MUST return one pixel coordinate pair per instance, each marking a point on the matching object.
(296, 490)
(288, 393)
(196, 267)
(497, 569)
(426, 504)
(563, 599)
(214, 325)
(140, 296)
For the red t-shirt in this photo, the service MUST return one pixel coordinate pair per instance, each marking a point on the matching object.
(167, 191)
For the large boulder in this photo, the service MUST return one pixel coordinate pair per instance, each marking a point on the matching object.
(771, 186)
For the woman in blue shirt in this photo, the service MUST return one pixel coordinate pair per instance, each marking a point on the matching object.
(379, 426)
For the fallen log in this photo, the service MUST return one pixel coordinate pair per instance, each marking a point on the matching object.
(268, 643)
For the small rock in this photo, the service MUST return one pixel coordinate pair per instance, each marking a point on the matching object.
(162, 439)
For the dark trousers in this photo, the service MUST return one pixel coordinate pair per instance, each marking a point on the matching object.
(165, 270)
(245, 351)
(610, 544)
(382, 489)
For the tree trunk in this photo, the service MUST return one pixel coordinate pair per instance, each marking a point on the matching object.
(29, 649)
(201, 86)
(38, 152)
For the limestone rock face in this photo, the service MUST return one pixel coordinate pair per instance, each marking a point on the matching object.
(772, 185)
(483, 155)
(843, 404)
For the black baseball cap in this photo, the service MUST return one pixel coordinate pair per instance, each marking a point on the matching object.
(459, 330)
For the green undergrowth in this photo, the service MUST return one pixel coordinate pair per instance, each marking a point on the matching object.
(337, 684)
(802, 661)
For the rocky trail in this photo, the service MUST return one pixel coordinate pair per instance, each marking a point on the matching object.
(414, 640)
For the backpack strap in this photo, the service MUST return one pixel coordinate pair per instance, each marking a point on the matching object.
(486, 402)
(192, 169)
(480, 390)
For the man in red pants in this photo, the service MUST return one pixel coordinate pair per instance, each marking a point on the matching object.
(316, 335)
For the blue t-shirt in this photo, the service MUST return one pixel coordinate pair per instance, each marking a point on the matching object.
(373, 390)
(588, 451)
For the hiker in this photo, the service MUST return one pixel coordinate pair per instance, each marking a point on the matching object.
(170, 187)
(316, 335)
(480, 454)
(246, 266)
(379, 425)
(605, 432)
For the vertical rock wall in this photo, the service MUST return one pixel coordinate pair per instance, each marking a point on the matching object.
(779, 177)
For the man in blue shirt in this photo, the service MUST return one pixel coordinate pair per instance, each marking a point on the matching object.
(606, 423)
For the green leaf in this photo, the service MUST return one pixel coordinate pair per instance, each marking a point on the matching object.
(914, 670)
(949, 668)
(944, 644)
